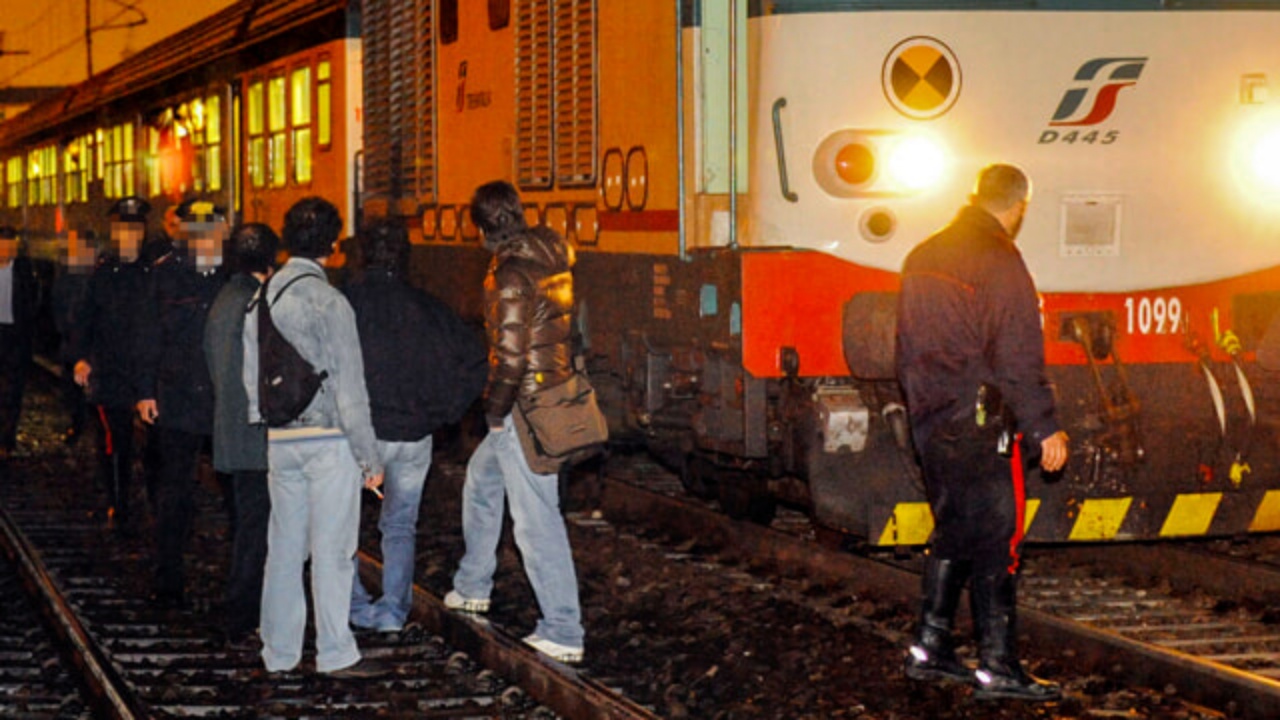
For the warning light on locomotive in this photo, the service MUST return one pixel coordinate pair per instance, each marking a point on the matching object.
(917, 162)
(878, 163)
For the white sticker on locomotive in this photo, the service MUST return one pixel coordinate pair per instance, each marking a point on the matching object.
(1153, 315)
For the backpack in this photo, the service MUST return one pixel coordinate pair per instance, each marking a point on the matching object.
(286, 381)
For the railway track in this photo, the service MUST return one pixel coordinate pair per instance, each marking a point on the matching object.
(116, 655)
(1165, 617)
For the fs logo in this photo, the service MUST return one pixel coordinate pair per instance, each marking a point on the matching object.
(1093, 103)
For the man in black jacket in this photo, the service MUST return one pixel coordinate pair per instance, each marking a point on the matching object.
(423, 367)
(105, 344)
(173, 380)
(239, 448)
(969, 344)
(18, 294)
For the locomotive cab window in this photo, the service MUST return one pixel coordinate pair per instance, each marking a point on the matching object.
(324, 104)
(300, 123)
(257, 149)
(277, 152)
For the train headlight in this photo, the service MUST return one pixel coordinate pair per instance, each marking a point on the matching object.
(1265, 162)
(878, 163)
(917, 162)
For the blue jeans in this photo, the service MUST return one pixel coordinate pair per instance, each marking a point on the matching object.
(496, 473)
(406, 465)
(315, 512)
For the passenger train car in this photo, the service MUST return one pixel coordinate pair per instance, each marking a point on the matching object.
(742, 180)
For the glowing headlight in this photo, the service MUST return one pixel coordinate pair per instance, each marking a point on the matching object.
(1266, 160)
(878, 163)
(917, 163)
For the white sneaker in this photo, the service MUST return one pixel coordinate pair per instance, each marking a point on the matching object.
(554, 650)
(455, 601)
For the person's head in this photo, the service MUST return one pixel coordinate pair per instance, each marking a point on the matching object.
(204, 225)
(1004, 191)
(128, 226)
(8, 244)
(254, 247)
(385, 244)
(497, 211)
(79, 255)
(311, 228)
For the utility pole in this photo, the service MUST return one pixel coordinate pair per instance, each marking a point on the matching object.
(89, 28)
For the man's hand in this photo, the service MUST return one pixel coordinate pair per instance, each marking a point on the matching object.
(373, 482)
(148, 411)
(1053, 452)
(82, 371)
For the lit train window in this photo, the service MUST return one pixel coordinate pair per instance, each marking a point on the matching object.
(300, 123)
(117, 160)
(13, 174)
(212, 161)
(278, 142)
(257, 153)
(76, 162)
(324, 105)
(152, 161)
(98, 164)
(42, 168)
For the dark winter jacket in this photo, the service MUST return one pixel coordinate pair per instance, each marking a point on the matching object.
(107, 334)
(968, 314)
(237, 445)
(422, 365)
(528, 316)
(171, 365)
(67, 299)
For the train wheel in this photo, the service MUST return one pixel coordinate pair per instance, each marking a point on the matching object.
(746, 498)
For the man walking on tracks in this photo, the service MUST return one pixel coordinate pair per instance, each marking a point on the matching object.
(970, 357)
(318, 460)
(423, 367)
(528, 297)
(17, 323)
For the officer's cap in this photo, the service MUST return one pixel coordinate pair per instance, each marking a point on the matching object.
(130, 209)
(194, 210)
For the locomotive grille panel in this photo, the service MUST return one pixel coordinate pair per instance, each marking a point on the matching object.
(533, 93)
(575, 92)
(399, 123)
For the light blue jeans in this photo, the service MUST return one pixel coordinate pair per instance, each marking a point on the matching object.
(315, 512)
(496, 473)
(406, 465)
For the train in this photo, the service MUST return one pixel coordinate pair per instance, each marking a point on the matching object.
(742, 180)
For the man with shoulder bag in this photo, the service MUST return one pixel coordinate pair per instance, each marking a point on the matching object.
(529, 319)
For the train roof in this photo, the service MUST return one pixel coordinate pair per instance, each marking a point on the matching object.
(235, 29)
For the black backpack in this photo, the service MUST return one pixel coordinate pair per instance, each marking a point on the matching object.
(286, 381)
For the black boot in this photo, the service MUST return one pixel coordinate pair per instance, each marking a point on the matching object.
(933, 656)
(1000, 675)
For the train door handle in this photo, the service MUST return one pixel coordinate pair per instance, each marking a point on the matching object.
(787, 192)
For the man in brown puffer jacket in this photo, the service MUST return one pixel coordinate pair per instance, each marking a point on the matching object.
(528, 320)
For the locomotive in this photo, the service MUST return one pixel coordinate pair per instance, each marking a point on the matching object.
(742, 181)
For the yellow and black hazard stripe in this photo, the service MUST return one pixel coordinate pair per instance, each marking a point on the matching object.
(1184, 515)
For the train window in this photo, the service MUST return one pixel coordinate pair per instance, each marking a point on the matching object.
(257, 154)
(117, 160)
(212, 160)
(13, 174)
(448, 10)
(277, 139)
(499, 14)
(152, 161)
(77, 159)
(42, 168)
(300, 123)
(99, 166)
(324, 104)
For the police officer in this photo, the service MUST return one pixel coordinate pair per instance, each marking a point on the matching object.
(969, 348)
(105, 350)
(174, 389)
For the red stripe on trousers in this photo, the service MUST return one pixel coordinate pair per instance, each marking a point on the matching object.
(1019, 503)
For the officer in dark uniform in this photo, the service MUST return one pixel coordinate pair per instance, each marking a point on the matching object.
(970, 357)
(18, 292)
(105, 351)
(175, 391)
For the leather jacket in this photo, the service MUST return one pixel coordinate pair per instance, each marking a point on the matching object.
(528, 296)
